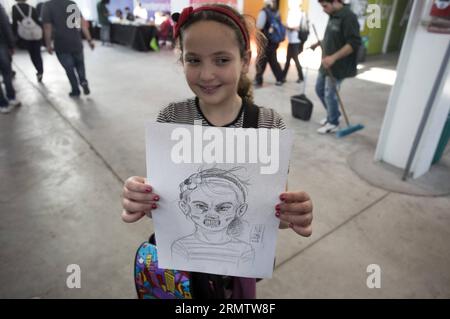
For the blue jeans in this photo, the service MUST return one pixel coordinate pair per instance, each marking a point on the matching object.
(326, 92)
(73, 63)
(105, 34)
(6, 71)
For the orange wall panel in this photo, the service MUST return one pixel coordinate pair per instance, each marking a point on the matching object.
(252, 7)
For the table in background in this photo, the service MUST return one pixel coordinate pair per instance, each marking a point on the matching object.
(137, 37)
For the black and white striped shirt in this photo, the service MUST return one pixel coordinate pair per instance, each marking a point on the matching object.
(188, 111)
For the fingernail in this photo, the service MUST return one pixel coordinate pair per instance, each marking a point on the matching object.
(278, 207)
(283, 197)
(148, 190)
(154, 206)
(277, 214)
(156, 198)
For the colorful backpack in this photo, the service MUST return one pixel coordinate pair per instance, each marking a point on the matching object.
(156, 283)
(153, 282)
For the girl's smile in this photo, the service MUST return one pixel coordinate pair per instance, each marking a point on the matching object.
(210, 89)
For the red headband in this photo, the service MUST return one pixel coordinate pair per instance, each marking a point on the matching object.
(186, 13)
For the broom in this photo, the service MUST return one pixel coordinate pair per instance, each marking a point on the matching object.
(350, 128)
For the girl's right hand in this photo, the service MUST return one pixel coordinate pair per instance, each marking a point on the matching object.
(138, 199)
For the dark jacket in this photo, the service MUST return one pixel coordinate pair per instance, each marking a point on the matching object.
(6, 34)
(342, 29)
(103, 14)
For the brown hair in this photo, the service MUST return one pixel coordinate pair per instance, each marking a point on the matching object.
(245, 89)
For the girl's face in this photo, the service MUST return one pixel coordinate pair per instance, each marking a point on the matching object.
(213, 212)
(212, 62)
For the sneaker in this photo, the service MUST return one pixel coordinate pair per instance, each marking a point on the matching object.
(74, 94)
(299, 80)
(39, 77)
(85, 87)
(6, 109)
(14, 103)
(328, 128)
(323, 121)
(279, 83)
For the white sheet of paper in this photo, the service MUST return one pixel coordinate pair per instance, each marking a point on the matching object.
(216, 217)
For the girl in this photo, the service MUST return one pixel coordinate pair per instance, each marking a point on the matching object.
(215, 52)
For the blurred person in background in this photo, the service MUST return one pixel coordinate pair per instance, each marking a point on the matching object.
(6, 51)
(67, 41)
(128, 14)
(103, 20)
(30, 39)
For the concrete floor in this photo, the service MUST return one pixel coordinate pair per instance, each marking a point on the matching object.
(62, 163)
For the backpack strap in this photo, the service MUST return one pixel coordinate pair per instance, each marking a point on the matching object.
(269, 20)
(29, 11)
(251, 114)
(20, 11)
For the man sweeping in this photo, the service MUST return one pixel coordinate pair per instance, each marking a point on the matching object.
(339, 54)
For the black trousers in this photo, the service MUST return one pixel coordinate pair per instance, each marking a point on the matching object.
(268, 56)
(294, 49)
(34, 49)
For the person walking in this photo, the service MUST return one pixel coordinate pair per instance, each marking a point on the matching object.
(293, 51)
(6, 51)
(269, 52)
(296, 38)
(63, 19)
(27, 27)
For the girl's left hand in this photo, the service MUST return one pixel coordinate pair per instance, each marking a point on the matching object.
(295, 210)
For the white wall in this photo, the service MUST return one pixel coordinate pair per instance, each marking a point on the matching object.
(420, 59)
(318, 17)
(178, 5)
(427, 147)
(88, 8)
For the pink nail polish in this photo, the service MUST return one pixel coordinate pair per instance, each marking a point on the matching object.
(148, 190)
(156, 198)
(282, 197)
(154, 206)
(278, 207)
(277, 214)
